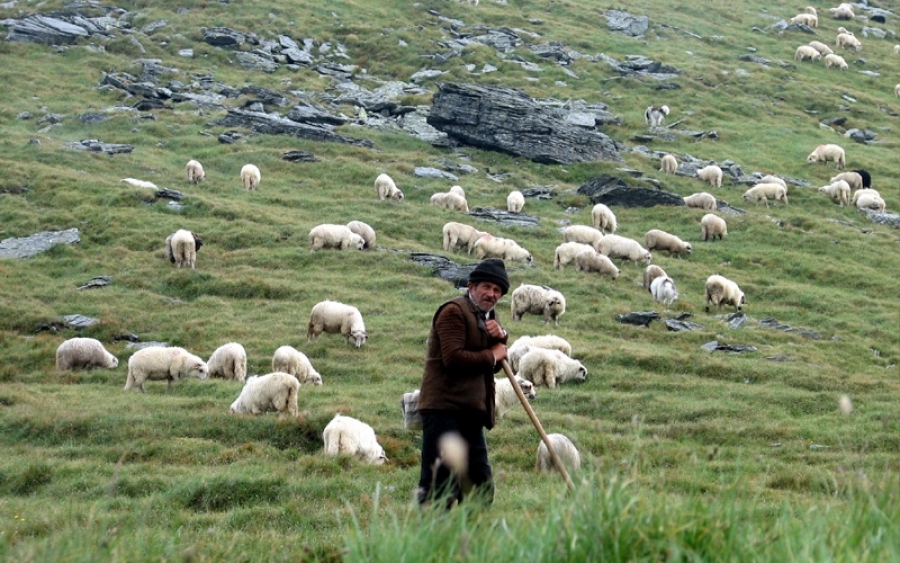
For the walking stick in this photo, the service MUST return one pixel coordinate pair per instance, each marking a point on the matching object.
(537, 424)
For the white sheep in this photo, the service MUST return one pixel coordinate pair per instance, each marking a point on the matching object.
(182, 247)
(590, 260)
(458, 190)
(836, 60)
(138, 183)
(409, 406)
(195, 172)
(826, 153)
(336, 318)
(387, 189)
(276, 391)
(565, 451)
(847, 41)
(842, 12)
(722, 291)
(451, 201)
(537, 300)
(488, 246)
(807, 52)
(228, 361)
(345, 435)
(811, 10)
(807, 19)
(546, 341)
(604, 219)
(334, 236)
(772, 179)
(822, 48)
(515, 201)
(844, 30)
(616, 246)
(661, 240)
(250, 177)
(712, 226)
(765, 192)
(897, 90)
(668, 164)
(712, 174)
(860, 192)
(868, 199)
(84, 353)
(654, 116)
(583, 234)
(897, 49)
(157, 363)
(565, 253)
(853, 179)
(550, 368)
(505, 397)
(663, 290)
(460, 235)
(288, 359)
(652, 272)
(365, 231)
(702, 200)
(838, 191)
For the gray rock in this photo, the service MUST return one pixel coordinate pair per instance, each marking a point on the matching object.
(611, 190)
(890, 219)
(676, 325)
(93, 145)
(753, 59)
(46, 30)
(623, 22)
(80, 321)
(863, 136)
(142, 345)
(638, 318)
(26, 247)
(151, 27)
(275, 125)
(255, 62)
(774, 324)
(223, 37)
(299, 156)
(504, 217)
(714, 346)
(444, 268)
(428, 172)
(736, 320)
(170, 194)
(99, 281)
(309, 113)
(186, 53)
(425, 75)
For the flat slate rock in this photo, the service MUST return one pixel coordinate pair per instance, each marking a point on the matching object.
(715, 346)
(611, 190)
(29, 246)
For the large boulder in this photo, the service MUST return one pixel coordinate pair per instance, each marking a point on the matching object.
(611, 190)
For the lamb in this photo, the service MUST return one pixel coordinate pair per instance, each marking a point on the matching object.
(460, 235)
(868, 200)
(333, 317)
(550, 368)
(842, 12)
(515, 201)
(663, 290)
(84, 353)
(195, 173)
(565, 451)
(652, 272)
(566, 252)
(288, 359)
(365, 231)
(538, 300)
(838, 191)
(583, 234)
(836, 60)
(806, 19)
(624, 248)
(702, 200)
(712, 174)
(182, 247)
(488, 246)
(592, 261)
(451, 201)
(345, 435)
(334, 236)
(157, 363)
(505, 397)
(853, 179)
(712, 226)
(847, 41)
(458, 190)
(139, 183)
(387, 189)
(765, 192)
(250, 177)
(668, 164)
(228, 361)
(661, 240)
(603, 218)
(825, 153)
(807, 52)
(722, 291)
(274, 391)
(654, 116)
(822, 48)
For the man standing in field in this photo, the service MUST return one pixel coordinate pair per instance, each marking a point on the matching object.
(465, 348)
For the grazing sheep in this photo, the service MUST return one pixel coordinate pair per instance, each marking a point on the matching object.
(505, 397)
(515, 201)
(847, 41)
(537, 300)
(702, 200)
(842, 12)
(546, 341)
(583, 234)
(451, 201)
(661, 240)
(807, 19)
(182, 247)
(590, 260)
(365, 231)
(869, 199)
(84, 353)
(275, 391)
(838, 191)
(863, 192)
(409, 406)
(652, 272)
(825, 153)
(604, 219)
(345, 435)
(336, 318)
(565, 253)
(765, 192)
(460, 235)
(139, 183)
(712, 226)
(250, 177)
(488, 246)
(807, 52)
(772, 179)
(458, 190)
(663, 290)
(712, 174)
(195, 173)
(550, 367)
(334, 236)
(387, 189)
(822, 48)
(811, 10)
(836, 60)
(844, 30)
(722, 291)
(565, 451)
(288, 359)
(654, 116)
(853, 179)
(866, 177)
(624, 248)
(668, 164)
(228, 361)
(157, 363)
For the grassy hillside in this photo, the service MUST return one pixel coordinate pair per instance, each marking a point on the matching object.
(91, 472)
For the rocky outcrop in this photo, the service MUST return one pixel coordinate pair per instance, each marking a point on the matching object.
(611, 190)
(26, 247)
(274, 125)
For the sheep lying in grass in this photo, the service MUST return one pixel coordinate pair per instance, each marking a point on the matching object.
(712, 226)
(583, 234)
(668, 164)
(275, 391)
(387, 189)
(163, 363)
(84, 353)
(722, 291)
(836, 60)
(182, 247)
(250, 177)
(807, 52)
(663, 290)
(702, 200)
(195, 172)
(537, 300)
(652, 272)
(566, 252)
(365, 231)
(460, 235)
(451, 201)
(488, 246)
(712, 174)
(139, 183)
(661, 240)
(565, 450)
(288, 359)
(826, 153)
(345, 435)
(228, 361)
(550, 368)
(603, 218)
(505, 397)
(589, 261)
(336, 318)
(822, 48)
(838, 191)
(616, 246)
(334, 236)
(765, 192)
(515, 201)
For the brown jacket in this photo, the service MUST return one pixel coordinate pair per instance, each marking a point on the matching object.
(459, 367)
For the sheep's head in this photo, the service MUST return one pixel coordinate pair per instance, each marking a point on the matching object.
(359, 337)
(313, 379)
(199, 370)
(527, 388)
(688, 248)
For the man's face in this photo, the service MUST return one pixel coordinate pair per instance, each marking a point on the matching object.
(485, 294)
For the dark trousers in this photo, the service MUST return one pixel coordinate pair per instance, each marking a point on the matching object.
(436, 482)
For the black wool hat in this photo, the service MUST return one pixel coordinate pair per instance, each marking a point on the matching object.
(491, 270)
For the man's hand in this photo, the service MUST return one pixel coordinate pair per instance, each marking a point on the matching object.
(493, 328)
(499, 352)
